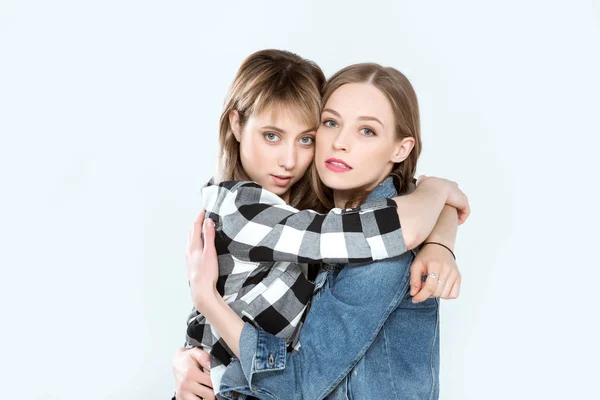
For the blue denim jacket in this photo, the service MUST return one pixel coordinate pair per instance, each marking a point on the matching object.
(362, 338)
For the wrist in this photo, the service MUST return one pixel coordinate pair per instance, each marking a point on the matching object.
(439, 238)
(441, 245)
(436, 185)
(206, 299)
(445, 228)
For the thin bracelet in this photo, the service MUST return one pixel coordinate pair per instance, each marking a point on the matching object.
(443, 245)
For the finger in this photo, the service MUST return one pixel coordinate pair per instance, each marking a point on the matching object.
(449, 284)
(208, 395)
(196, 238)
(186, 396)
(209, 238)
(203, 391)
(193, 390)
(201, 357)
(455, 292)
(203, 378)
(442, 281)
(464, 213)
(195, 376)
(427, 290)
(416, 276)
(195, 242)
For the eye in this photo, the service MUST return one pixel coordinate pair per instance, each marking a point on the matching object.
(330, 123)
(307, 140)
(367, 132)
(271, 137)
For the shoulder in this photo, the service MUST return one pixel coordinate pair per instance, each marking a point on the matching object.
(234, 194)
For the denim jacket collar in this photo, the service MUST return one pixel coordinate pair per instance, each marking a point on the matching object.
(384, 190)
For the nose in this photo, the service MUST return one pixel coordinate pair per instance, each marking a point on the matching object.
(287, 157)
(341, 142)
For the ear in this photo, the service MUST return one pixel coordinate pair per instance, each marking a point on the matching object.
(234, 124)
(402, 149)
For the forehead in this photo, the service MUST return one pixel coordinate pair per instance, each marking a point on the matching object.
(360, 99)
(282, 116)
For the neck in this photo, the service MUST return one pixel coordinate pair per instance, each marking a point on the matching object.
(340, 197)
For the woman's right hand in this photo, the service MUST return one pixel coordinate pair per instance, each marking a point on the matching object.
(456, 198)
(191, 381)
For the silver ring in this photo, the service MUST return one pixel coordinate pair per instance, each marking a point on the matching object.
(433, 275)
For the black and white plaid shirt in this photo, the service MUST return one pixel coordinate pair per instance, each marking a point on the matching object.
(253, 224)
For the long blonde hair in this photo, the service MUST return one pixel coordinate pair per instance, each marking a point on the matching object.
(403, 99)
(270, 79)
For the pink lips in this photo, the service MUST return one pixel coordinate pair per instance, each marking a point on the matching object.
(337, 165)
(281, 180)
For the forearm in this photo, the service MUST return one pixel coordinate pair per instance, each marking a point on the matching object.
(224, 320)
(419, 212)
(446, 228)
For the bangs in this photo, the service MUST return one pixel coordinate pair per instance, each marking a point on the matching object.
(302, 105)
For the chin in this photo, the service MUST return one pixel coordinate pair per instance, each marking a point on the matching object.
(278, 190)
(337, 182)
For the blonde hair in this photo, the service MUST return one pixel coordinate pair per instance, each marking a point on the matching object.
(403, 99)
(270, 79)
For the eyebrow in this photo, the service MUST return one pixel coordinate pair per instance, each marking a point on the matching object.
(363, 118)
(337, 114)
(368, 118)
(279, 130)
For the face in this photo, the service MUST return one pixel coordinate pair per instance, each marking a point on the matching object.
(356, 140)
(276, 148)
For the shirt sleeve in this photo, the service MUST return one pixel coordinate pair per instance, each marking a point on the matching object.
(254, 224)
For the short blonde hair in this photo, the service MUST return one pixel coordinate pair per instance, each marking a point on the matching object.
(270, 79)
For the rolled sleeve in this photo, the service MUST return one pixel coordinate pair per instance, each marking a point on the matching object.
(260, 352)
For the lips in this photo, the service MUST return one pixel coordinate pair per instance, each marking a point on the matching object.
(281, 180)
(337, 165)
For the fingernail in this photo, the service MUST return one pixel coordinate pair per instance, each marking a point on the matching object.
(210, 223)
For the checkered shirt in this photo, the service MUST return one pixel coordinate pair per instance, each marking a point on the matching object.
(263, 247)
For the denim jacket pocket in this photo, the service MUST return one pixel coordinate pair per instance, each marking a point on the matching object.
(427, 303)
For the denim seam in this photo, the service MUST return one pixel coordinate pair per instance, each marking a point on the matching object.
(227, 392)
(437, 317)
(389, 357)
(393, 304)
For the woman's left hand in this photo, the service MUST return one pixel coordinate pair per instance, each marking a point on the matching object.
(202, 264)
(434, 259)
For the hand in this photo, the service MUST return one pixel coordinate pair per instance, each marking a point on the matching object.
(436, 259)
(201, 260)
(191, 382)
(456, 197)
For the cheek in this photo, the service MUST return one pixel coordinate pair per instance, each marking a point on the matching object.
(321, 147)
(252, 155)
(253, 148)
(305, 157)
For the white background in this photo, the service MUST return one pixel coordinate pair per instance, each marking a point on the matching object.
(108, 122)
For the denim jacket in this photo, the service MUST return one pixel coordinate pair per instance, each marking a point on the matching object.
(362, 338)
